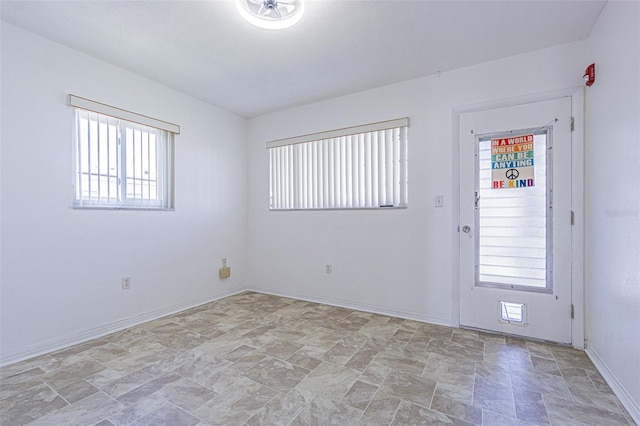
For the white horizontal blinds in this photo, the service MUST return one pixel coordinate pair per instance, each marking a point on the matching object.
(512, 240)
(353, 170)
(121, 164)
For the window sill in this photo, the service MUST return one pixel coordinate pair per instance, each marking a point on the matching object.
(340, 208)
(161, 209)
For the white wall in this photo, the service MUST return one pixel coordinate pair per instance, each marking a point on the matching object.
(401, 262)
(613, 199)
(61, 268)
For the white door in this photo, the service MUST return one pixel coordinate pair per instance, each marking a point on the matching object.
(515, 220)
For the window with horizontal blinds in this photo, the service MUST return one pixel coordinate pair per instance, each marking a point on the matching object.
(357, 167)
(121, 164)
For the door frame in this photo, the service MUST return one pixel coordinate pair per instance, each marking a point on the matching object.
(577, 200)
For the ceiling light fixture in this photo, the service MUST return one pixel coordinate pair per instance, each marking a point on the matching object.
(271, 14)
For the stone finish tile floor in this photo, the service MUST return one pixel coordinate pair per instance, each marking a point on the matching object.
(257, 359)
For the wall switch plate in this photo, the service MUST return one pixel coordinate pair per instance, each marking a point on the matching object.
(225, 272)
(439, 200)
(328, 269)
(126, 283)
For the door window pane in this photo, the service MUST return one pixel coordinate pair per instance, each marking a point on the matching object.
(512, 243)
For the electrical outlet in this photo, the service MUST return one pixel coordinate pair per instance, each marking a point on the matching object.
(224, 262)
(126, 283)
(328, 269)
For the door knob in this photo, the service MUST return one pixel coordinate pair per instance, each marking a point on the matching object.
(466, 229)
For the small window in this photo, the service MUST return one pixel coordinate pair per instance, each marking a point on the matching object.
(513, 313)
(121, 163)
(363, 167)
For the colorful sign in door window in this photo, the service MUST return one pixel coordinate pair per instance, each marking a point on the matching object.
(512, 162)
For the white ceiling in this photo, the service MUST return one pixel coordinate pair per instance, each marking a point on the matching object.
(205, 49)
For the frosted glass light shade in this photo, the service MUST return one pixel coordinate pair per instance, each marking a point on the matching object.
(271, 14)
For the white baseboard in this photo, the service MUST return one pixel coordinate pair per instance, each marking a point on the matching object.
(374, 309)
(55, 344)
(632, 406)
(59, 343)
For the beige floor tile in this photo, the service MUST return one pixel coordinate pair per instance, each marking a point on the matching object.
(330, 380)
(322, 411)
(276, 374)
(399, 362)
(21, 381)
(455, 350)
(304, 361)
(409, 414)
(168, 414)
(77, 391)
(281, 410)
(90, 410)
(30, 404)
(137, 411)
(566, 412)
(530, 406)
(341, 352)
(457, 409)
(360, 395)
(235, 406)
(380, 410)
(186, 394)
(409, 387)
(498, 399)
(457, 392)
(67, 375)
(122, 385)
(259, 359)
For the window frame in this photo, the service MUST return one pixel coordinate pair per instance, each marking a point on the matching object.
(124, 131)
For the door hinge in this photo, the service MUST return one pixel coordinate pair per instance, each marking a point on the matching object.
(573, 124)
(573, 217)
(572, 311)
